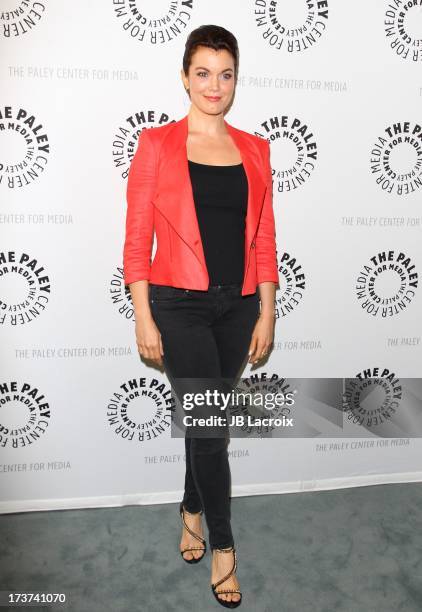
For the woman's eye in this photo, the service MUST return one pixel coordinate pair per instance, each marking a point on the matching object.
(226, 75)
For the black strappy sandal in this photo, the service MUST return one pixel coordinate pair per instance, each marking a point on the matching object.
(225, 603)
(195, 535)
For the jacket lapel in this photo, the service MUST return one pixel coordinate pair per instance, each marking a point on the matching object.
(174, 197)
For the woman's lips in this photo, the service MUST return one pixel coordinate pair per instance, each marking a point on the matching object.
(213, 98)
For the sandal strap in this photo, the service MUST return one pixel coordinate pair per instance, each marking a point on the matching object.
(233, 569)
(193, 534)
(229, 591)
(193, 548)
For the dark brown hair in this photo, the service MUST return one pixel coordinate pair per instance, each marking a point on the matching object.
(212, 36)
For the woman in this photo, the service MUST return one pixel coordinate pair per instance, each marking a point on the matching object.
(205, 188)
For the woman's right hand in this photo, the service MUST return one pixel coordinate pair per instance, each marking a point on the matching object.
(148, 339)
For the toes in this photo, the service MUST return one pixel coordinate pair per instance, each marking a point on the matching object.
(193, 554)
(189, 558)
(229, 596)
(232, 597)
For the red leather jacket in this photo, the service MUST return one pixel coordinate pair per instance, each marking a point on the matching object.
(159, 197)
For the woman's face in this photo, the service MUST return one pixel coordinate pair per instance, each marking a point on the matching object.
(211, 80)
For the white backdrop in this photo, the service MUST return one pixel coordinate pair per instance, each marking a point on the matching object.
(337, 88)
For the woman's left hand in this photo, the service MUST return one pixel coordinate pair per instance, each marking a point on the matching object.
(262, 337)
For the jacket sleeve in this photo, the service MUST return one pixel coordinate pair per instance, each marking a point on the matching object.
(265, 242)
(140, 190)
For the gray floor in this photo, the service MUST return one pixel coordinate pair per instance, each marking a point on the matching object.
(351, 550)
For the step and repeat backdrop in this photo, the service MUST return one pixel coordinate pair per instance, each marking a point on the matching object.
(337, 90)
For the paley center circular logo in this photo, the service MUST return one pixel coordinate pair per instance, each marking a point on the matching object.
(372, 398)
(403, 28)
(153, 22)
(292, 285)
(141, 409)
(125, 139)
(121, 296)
(387, 284)
(24, 288)
(24, 414)
(21, 17)
(24, 147)
(292, 26)
(296, 146)
(396, 158)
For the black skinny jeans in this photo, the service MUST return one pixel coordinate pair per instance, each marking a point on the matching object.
(205, 334)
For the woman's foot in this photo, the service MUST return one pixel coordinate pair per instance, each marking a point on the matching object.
(194, 522)
(222, 564)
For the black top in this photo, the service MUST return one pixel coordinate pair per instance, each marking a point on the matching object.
(221, 199)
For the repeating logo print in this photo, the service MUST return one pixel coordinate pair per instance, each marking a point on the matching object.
(292, 285)
(24, 288)
(24, 414)
(403, 28)
(121, 296)
(126, 136)
(24, 147)
(299, 150)
(141, 409)
(372, 398)
(396, 158)
(387, 284)
(154, 22)
(21, 17)
(275, 20)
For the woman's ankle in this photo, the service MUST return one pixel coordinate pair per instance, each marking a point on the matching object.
(227, 547)
(192, 511)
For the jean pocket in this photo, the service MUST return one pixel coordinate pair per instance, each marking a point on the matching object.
(167, 293)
